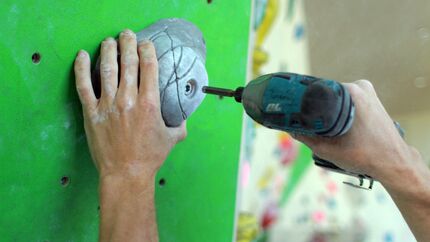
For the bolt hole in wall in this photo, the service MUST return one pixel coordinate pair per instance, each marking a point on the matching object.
(190, 87)
(209, 1)
(162, 182)
(36, 58)
(187, 88)
(65, 181)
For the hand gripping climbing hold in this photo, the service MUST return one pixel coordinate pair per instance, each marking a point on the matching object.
(181, 54)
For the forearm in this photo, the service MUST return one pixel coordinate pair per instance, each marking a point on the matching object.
(127, 209)
(409, 187)
(382, 154)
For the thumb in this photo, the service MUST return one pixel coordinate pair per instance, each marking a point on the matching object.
(179, 133)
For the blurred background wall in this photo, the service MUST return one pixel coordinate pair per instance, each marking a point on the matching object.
(387, 42)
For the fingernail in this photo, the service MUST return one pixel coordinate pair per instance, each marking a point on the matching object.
(146, 52)
(127, 32)
(145, 42)
(109, 39)
(82, 54)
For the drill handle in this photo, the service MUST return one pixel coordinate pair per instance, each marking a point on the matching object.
(332, 167)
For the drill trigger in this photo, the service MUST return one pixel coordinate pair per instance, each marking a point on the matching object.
(361, 182)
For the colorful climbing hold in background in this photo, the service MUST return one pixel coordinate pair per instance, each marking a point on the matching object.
(270, 215)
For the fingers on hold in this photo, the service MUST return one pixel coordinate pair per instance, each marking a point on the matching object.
(148, 62)
(129, 57)
(83, 79)
(82, 65)
(129, 70)
(148, 70)
(107, 70)
(109, 67)
(147, 51)
(108, 64)
(127, 34)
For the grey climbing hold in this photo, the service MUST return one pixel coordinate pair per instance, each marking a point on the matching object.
(181, 54)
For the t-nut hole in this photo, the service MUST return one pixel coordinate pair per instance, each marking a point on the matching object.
(65, 181)
(162, 182)
(36, 57)
(190, 87)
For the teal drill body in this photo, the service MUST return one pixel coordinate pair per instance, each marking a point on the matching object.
(299, 104)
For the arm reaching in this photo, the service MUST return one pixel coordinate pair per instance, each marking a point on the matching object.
(373, 146)
(127, 136)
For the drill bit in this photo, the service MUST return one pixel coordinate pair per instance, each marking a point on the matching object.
(219, 91)
(223, 92)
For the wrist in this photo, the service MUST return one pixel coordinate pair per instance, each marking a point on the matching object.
(126, 181)
(125, 170)
(123, 181)
(117, 190)
(408, 176)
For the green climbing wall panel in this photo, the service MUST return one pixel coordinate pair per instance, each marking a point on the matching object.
(42, 141)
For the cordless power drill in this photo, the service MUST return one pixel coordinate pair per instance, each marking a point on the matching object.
(299, 104)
